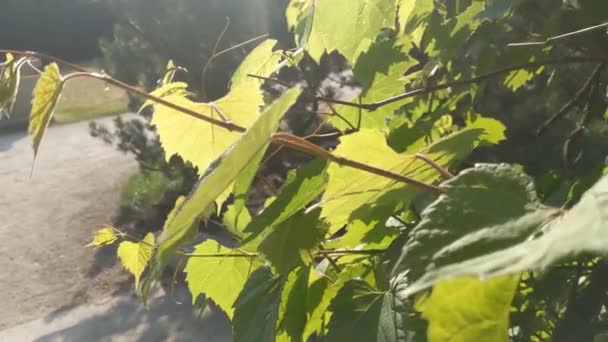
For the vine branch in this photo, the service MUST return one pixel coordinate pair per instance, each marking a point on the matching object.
(575, 99)
(422, 91)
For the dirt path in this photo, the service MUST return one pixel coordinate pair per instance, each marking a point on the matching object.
(45, 221)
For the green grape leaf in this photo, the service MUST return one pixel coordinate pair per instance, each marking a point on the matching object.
(292, 242)
(449, 37)
(362, 313)
(361, 21)
(374, 235)
(468, 309)
(235, 220)
(411, 15)
(579, 231)
(9, 83)
(201, 142)
(46, 95)
(379, 71)
(240, 190)
(303, 185)
(292, 310)
(219, 278)
(199, 203)
(483, 209)
(494, 130)
(518, 78)
(103, 237)
(256, 309)
(321, 293)
(135, 256)
(351, 194)
(299, 18)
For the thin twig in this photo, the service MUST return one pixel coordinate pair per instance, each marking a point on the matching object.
(574, 100)
(561, 36)
(220, 123)
(305, 146)
(217, 43)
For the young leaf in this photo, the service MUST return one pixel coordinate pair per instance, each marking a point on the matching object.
(292, 242)
(218, 278)
(45, 98)
(579, 231)
(135, 256)
(484, 209)
(360, 23)
(468, 309)
(103, 237)
(9, 83)
(256, 309)
(201, 142)
(181, 227)
(362, 313)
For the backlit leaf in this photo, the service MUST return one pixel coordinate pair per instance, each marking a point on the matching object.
(352, 194)
(218, 278)
(135, 256)
(201, 200)
(292, 242)
(303, 185)
(103, 237)
(360, 23)
(9, 83)
(45, 97)
(468, 309)
(201, 142)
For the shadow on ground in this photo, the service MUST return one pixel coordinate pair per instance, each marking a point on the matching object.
(124, 318)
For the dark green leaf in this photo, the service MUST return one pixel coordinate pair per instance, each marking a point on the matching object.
(256, 309)
(483, 210)
(580, 230)
(292, 312)
(291, 243)
(362, 313)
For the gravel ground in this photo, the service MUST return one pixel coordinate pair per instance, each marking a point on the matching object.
(46, 220)
(52, 288)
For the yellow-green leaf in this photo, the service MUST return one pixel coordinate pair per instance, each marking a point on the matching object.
(201, 142)
(181, 227)
(135, 256)
(46, 94)
(9, 83)
(352, 194)
(219, 278)
(468, 309)
(169, 73)
(360, 22)
(103, 237)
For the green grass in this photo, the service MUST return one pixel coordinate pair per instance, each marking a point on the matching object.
(88, 98)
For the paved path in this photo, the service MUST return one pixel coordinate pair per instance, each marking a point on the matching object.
(65, 291)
